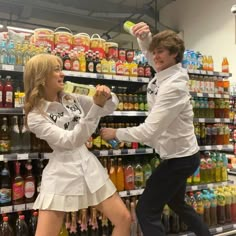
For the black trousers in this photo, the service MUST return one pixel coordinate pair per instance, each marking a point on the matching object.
(167, 185)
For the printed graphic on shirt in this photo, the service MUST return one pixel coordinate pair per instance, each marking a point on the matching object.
(153, 88)
(55, 117)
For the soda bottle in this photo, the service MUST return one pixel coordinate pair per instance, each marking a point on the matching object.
(17, 186)
(129, 177)
(6, 229)
(33, 223)
(138, 176)
(30, 188)
(120, 176)
(22, 227)
(5, 186)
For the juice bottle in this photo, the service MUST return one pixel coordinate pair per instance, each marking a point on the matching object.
(213, 208)
(228, 202)
(112, 172)
(129, 177)
(218, 168)
(138, 176)
(224, 173)
(17, 186)
(196, 176)
(203, 169)
(147, 171)
(225, 65)
(210, 63)
(120, 176)
(207, 205)
(220, 207)
(199, 204)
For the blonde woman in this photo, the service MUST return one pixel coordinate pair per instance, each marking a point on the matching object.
(73, 178)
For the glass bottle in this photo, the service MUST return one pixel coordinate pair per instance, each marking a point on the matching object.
(5, 142)
(6, 229)
(5, 186)
(25, 136)
(15, 136)
(22, 227)
(29, 183)
(33, 223)
(8, 93)
(17, 186)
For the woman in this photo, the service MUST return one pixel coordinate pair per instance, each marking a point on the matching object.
(74, 178)
(169, 129)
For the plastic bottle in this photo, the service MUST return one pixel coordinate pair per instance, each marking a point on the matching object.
(225, 65)
(138, 175)
(22, 227)
(63, 231)
(6, 229)
(128, 25)
(129, 177)
(112, 171)
(213, 208)
(220, 207)
(120, 176)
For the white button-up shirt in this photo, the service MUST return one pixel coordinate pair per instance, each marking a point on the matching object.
(66, 127)
(168, 127)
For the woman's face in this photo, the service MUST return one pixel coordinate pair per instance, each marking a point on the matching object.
(163, 59)
(55, 83)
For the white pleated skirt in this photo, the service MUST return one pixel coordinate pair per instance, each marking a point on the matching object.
(70, 203)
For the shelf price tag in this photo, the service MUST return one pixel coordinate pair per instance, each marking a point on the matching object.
(8, 67)
(219, 147)
(234, 226)
(116, 152)
(210, 185)
(194, 188)
(20, 207)
(104, 153)
(203, 72)
(219, 229)
(217, 120)
(1, 157)
(149, 150)
(29, 206)
(6, 209)
(201, 120)
(24, 156)
(131, 151)
(210, 72)
(217, 95)
(122, 194)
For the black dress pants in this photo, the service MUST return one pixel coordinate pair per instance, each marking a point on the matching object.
(167, 185)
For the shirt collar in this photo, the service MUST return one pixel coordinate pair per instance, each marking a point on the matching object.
(164, 74)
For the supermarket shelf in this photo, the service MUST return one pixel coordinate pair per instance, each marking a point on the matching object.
(129, 113)
(210, 95)
(214, 73)
(19, 156)
(113, 152)
(212, 120)
(217, 147)
(16, 208)
(106, 77)
(11, 111)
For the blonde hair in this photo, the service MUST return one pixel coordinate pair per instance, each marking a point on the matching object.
(37, 70)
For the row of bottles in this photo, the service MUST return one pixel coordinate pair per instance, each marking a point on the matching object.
(210, 107)
(19, 224)
(209, 134)
(213, 168)
(20, 181)
(208, 84)
(127, 174)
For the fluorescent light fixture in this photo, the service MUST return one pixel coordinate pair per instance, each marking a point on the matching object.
(20, 29)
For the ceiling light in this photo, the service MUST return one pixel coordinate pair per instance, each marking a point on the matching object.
(20, 29)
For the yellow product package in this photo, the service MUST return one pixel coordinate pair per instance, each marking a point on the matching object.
(82, 89)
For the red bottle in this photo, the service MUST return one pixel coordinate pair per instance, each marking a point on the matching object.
(17, 186)
(6, 229)
(30, 188)
(8, 93)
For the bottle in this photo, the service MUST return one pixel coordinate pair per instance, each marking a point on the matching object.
(147, 171)
(120, 176)
(112, 171)
(93, 223)
(8, 93)
(5, 186)
(6, 229)
(63, 231)
(22, 227)
(128, 25)
(225, 65)
(15, 136)
(17, 186)
(1, 92)
(138, 176)
(166, 218)
(5, 142)
(83, 223)
(129, 177)
(29, 183)
(220, 207)
(33, 223)
(25, 136)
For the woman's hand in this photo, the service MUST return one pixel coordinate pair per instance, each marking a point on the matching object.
(103, 93)
(141, 30)
(108, 133)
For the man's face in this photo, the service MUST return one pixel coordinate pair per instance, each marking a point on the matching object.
(163, 59)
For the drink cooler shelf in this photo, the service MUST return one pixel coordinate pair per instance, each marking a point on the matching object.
(210, 95)
(213, 120)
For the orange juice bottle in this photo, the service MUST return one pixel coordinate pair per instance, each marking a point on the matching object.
(225, 65)
(112, 171)
(205, 63)
(120, 183)
(210, 63)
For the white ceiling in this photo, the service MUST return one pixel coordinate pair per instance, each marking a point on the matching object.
(89, 16)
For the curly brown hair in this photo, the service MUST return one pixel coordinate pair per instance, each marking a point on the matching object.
(37, 70)
(169, 40)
